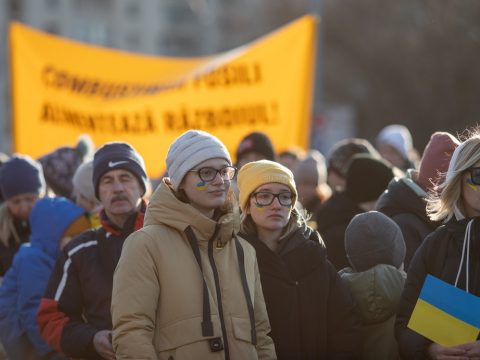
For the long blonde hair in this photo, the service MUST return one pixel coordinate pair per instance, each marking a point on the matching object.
(7, 227)
(445, 201)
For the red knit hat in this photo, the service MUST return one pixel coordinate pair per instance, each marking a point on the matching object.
(435, 159)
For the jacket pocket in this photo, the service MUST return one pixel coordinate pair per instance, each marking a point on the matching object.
(242, 329)
(184, 332)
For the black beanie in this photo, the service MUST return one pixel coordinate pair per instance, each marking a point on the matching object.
(256, 142)
(343, 151)
(367, 178)
(118, 155)
(373, 238)
(21, 175)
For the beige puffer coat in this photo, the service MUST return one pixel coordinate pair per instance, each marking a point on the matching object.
(157, 300)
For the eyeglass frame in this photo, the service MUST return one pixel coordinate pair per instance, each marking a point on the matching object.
(470, 170)
(254, 196)
(217, 171)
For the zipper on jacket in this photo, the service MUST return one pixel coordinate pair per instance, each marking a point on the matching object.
(219, 294)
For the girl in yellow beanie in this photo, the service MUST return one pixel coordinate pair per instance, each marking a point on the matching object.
(310, 309)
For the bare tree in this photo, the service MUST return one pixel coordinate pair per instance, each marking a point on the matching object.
(409, 62)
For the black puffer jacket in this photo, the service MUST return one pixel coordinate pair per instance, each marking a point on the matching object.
(332, 221)
(439, 255)
(403, 203)
(310, 309)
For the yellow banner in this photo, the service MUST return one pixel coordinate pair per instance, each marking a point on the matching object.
(62, 89)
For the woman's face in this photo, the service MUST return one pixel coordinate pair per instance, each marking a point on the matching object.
(391, 154)
(206, 196)
(21, 205)
(471, 193)
(273, 217)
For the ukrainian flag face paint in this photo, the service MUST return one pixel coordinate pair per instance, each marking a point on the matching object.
(259, 207)
(201, 186)
(274, 216)
(471, 185)
(206, 196)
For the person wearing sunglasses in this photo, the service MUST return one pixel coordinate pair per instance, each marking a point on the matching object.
(450, 253)
(310, 309)
(186, 286)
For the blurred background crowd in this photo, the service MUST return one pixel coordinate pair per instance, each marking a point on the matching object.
(378, 62)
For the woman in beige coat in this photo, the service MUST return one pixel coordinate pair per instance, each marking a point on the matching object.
(186, 287)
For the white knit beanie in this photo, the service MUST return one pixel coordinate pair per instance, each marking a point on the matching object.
(190, 149)
(397, 136)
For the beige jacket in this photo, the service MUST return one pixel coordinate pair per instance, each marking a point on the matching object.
(157, 300)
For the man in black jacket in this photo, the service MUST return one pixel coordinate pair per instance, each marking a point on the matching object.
(74, 315)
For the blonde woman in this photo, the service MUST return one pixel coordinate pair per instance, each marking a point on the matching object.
(450, 253)
(186, 287)
(310, 310)
(21, 184)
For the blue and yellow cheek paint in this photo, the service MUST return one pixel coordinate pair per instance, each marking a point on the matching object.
(201, 186)
(472, 185)
(260, 208)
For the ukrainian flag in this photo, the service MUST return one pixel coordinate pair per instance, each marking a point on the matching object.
(445, 314)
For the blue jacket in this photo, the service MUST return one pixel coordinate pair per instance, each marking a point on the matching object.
(26, 280)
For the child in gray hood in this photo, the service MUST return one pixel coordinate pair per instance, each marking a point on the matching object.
(375, 249)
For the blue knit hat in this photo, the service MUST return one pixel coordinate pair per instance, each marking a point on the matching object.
(21, 175)
(118, 155)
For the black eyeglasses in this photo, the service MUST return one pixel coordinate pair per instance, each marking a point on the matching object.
(474, 175)
(264, 198)
(209, 173)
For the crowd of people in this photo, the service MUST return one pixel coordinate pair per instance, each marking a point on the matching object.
(289, 255)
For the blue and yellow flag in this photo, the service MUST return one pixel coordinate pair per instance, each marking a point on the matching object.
(445, 314)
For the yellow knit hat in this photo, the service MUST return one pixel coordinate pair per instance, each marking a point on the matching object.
(257, 173)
